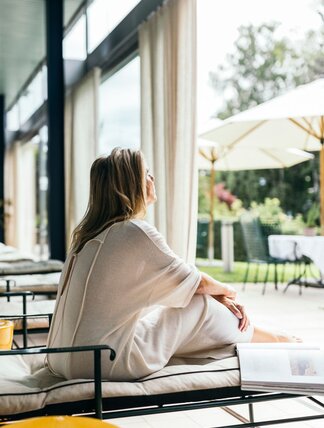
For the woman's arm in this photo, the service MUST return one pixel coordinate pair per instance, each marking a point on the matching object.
(226, 295)
(210, 286)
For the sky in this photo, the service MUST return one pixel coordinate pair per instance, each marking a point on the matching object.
(217, 29)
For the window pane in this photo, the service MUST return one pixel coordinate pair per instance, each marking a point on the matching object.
(45, 81)
(32, 98)
(74, 43)
(104, 16)
(12, 119)
(120, 109)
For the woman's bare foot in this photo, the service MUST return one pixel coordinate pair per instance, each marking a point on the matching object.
(265, 336)
(286, 338)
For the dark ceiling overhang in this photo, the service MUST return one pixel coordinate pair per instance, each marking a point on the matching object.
(22, 41)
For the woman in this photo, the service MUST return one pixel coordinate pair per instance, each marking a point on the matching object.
(123, 286)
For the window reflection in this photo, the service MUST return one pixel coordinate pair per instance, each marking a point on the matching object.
(120, 109)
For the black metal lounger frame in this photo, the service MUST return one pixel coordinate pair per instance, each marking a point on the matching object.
(25, 331)
(116, 407)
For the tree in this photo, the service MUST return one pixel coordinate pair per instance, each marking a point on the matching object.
(284, 184)
(261, 67)
(315, 57)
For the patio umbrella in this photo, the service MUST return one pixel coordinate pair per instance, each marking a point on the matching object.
(292, 120)
(218, 157)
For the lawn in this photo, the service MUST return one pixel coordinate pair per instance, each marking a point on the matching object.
(239, 272)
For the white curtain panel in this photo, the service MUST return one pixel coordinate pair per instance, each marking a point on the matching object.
(81, 141)
(167, 45)
(26, 198)
(10, 195)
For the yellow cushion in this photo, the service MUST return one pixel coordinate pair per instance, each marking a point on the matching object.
(62, 421)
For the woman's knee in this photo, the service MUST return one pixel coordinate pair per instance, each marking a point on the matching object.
(227, 324)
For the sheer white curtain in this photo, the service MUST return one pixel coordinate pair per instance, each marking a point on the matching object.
(167, 45)
(81, 140)
(20, 196)
(10, 195)
(25, 198)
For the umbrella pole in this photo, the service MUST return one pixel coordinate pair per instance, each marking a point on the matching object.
(211, 214)
(322, 184)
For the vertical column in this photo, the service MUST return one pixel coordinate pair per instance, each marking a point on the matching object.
(2, 147)
(227, 236)
(55, 103)
(211, 237)
(322, 181)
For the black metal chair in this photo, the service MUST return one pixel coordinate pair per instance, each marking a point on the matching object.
(257, 251)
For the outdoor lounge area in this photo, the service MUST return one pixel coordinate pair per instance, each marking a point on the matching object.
(162, 213)
(302, 314)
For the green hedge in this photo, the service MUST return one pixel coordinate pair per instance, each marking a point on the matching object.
(202, 240)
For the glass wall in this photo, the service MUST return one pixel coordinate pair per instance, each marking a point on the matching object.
(102, 17)
(118, 121)
(119, 108)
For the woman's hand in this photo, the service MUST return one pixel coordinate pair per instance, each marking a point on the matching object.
(229, 291)
(209, 285)
(225, 294)
(237, 309)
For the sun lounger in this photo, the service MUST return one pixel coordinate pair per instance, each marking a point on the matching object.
(11, 254)
(41, 277)
(27, 389)
(43, 284)
(8, 253)
(24, 267)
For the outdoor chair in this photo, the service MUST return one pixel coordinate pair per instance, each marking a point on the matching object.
(29, 389)
(257, 252)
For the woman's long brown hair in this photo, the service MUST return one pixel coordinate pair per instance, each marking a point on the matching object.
(117, 193)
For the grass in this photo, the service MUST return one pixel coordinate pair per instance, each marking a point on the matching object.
(238, 274)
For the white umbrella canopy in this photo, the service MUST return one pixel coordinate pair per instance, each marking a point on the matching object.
(292, 120)
(295, 119)
(247, 158)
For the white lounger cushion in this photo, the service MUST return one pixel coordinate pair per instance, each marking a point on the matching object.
(37, 282)
(29, 386)
(11, 254)
(25, 267)
(37, 307)
(14, 257)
